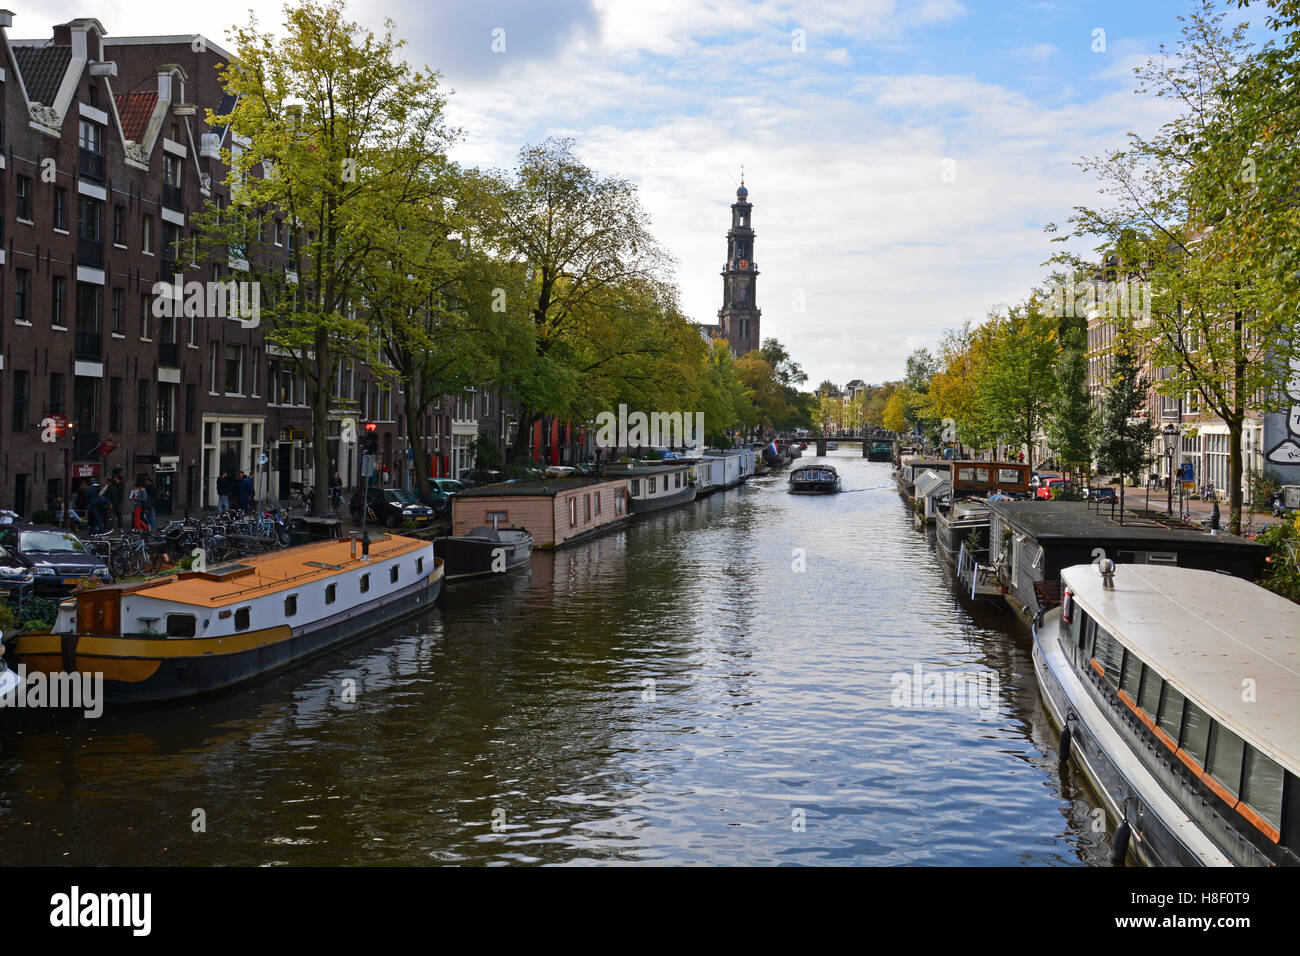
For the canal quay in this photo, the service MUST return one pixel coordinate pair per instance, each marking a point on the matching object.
(677, 691)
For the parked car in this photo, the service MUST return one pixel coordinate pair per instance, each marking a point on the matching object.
(392, 507)
(1046, 484)
(58, 559)
(450, 485)
(1105, 495)
(440, 492)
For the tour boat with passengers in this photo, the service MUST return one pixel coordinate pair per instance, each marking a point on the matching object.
(204, 630)
(814, 480)
(1177, 692)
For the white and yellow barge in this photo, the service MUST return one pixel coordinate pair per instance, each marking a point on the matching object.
(204, 630)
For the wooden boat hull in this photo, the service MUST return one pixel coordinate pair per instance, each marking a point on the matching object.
(153, 669)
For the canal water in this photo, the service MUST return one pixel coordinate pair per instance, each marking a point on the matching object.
(722, 683)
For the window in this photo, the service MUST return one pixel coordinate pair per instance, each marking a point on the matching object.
(89, 216)
(142, 408)
(23, 195)
(144, 317)
(1132, 679)
(165, 419)
(496, 518)
(90, 136)
(291, 605)
(115, 398)
(20, 401)
(586, 507)
(56, 393)
(242, 616)
(214, 375)
(234, 369)
(181, 625)
(331, 592)
(365, 583)
(419, 565)
(60, 208)
(146, 234)
(1262, 791)
(573, 512)
(677, 479)
(636, 487)
(22, 282)
(1008, 476)
(654, 482)
(392, 574)
(1196, 732)
(58, 294)
(256, 373)
(598, 502)
(119, 311)
(1171, 712)
(119, 225)
(1149, 697)
(1227, 751)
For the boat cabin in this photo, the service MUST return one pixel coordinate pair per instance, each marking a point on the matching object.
(556, 511)
(977, 479)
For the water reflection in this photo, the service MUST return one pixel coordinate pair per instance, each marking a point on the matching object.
(677, 691)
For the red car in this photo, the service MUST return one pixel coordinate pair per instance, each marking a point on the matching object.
(1045, 487)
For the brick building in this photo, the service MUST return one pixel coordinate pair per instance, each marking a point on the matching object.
(105, 158)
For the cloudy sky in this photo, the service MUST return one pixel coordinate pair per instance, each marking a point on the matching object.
(902, 156)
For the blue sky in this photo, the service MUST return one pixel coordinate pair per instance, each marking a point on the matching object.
(844, 141)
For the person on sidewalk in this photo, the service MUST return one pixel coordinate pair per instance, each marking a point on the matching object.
(244, 490)
(224, 490)
(115, 494)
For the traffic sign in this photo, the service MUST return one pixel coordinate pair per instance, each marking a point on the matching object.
(262, 459)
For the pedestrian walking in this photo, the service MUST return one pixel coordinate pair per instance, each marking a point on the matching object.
(116, 492)
(244, 491)
(224, 489)
(138, 512)
(150, 501)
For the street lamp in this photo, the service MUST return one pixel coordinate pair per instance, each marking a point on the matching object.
(1170, 436)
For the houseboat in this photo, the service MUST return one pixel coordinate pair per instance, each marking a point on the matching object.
(880, 451)
(484, 550)
(204, 630)
(912, 465)
(979, 479)
(1145, 669)
(961, 522)
(814, 480)
(930, 489)
(655, 486)
(1032, 541)
(556, 511)
(728, 472)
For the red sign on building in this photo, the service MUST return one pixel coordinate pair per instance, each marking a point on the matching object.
(85, 471)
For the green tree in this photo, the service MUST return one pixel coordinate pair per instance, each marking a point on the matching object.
(1069, 421)
(335, 131)
(1016, 382)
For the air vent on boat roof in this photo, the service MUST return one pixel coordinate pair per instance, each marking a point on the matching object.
(224, 572)
(322, 564)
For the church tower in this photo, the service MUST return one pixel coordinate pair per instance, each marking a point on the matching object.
(738, 317)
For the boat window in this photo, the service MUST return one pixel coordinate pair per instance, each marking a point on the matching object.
(1171, 711)
(1263, 789)
(1149, 696)
(677, 479)
(331, 592)
(1008, 476)
(181, 625)
(1196, 732)
(653, 486)
(1075, 623)
(419, 565)
(598, 502)
(1089, 635)
(392, 572)
(636, 486)
(1227, 751)
(242, 616)
(495, 518)
(1132, 678)
(586, 507)
(291, 605)
(1110, 654)
(365, 583)
(573, 511)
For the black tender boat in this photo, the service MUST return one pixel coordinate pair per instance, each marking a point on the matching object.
(484, 550)
(814, 480)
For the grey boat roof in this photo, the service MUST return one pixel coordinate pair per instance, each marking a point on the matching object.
(1047, 520)
(1206, 633)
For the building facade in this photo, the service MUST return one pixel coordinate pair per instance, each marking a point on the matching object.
(106, 159)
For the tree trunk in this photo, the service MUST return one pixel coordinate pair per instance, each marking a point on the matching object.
(320, 414)
(522, 434)
(1235, 463)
